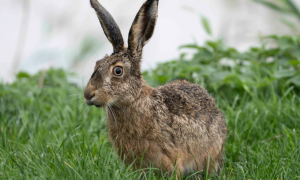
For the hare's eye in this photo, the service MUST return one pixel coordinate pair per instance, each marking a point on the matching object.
(118, 71)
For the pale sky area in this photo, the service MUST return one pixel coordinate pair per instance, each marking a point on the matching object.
(57, 30)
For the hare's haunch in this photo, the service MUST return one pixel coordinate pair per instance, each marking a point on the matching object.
(177, 125)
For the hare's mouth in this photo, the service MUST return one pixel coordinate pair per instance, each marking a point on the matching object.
(99, 106)
(92, 103)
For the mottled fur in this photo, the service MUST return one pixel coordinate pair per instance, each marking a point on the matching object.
(177, 124)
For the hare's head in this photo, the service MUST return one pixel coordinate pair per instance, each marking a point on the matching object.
(118, 77)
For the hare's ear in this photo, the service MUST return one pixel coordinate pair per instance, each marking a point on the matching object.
(109, 26)
(143, 26)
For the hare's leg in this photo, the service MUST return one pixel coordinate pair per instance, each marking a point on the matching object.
(217, 164)
(160, 165)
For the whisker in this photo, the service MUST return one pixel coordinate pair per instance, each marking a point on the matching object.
(113, 113)
(122, 109)
(78, 94)
(73, 98)
(126, 99)
(78, 103)
(83, 112)
(88, 111)
(82, 104)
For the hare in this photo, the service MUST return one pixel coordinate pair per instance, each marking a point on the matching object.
(174, 128)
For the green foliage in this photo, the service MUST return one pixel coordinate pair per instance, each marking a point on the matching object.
(206, 25)
(46, 131)
(228, 72)
(288, 7)
(282, 6)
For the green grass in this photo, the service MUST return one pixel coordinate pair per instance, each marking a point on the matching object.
(48, 133)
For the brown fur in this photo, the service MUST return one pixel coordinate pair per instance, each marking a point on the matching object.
(177, 124)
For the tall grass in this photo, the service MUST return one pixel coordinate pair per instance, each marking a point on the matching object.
(46, 131)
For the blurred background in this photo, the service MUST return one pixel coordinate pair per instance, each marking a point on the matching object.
(37, 34)
(246, 53)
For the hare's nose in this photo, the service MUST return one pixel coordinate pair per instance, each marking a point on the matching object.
(88, 95)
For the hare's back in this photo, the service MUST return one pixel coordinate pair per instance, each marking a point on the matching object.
(191, 107)
(183, 97)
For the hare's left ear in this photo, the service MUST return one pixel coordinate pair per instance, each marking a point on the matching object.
(109, 26)
(143, 26)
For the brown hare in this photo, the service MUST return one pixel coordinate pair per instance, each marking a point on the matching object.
(176, 127)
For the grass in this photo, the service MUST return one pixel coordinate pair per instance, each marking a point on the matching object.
(46, 132)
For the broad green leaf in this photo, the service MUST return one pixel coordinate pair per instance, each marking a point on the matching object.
(162, 79)
(288, 23)
(273, 6)
(294, 62)
(191, 46)
(284, 73)
(294, 8)
(23, 75)
(206, 25)
(294, 80)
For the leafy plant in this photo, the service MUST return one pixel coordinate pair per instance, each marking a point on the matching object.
(287, 7)
(225, 70)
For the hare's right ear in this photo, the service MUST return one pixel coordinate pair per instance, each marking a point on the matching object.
(143, 26)
(109, 26)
